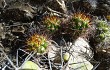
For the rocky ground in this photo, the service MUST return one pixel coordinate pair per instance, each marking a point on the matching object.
(54, 34)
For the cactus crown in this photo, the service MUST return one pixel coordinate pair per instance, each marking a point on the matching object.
(37, 42)
(81, 20)
(52, 23)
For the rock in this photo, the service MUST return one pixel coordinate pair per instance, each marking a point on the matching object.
(22, 6)
(82, 48)
(2, 3)
(93, 3)
(57, 5)
(17, 30)
(79, 63)
(52, 50)
(83, 5)
(16, 15)
(18, 11)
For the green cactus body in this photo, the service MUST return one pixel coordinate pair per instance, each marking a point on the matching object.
(52, 23)
(102, 26)
(81, 20)
(37, 43)
(102, 31)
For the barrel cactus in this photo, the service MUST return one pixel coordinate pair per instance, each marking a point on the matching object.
(37, 43)
(52, 23)
(80, 25)
(80, 20)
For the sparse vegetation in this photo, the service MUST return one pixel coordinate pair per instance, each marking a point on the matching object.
(54, 34)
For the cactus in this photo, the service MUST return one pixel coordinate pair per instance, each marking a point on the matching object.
(102, 38)
(102, 30)
(37, 43)
(52, 23)
(102, 26)
(81, 20)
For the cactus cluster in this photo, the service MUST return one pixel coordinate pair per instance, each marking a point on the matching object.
(102, 26)
(54, 34)
(37, 43)
(102, 31)
(80, 20)
(102, 35)
(52, 23)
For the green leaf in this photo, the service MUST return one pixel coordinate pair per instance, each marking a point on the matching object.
(29, 65)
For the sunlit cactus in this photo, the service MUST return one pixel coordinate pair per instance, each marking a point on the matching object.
(102, 26)
(37, 43)
(103, 33)
(80, 20)
(52, 23)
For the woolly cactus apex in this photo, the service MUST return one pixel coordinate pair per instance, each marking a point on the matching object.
(81, 20)
(52, 23)
(37, 43)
